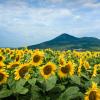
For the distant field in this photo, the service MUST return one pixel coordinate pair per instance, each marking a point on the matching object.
(46, 74)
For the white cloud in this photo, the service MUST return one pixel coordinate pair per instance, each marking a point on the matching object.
(23, 15)
(27, 21)
(37, 24)
(77, 17)
(92, 5)
(55, 1)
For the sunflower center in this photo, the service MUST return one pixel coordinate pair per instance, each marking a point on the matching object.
(12, 57)
(47, 70)
(65, 69)
(61, 62)
(14, 65)
(1, 76)
(1, 58)
(36, 58)
(92, 95)
(23, 71)
(17, 58)
(1, 66)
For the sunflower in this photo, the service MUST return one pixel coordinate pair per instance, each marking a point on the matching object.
(3, 76)
(13, 65)
(7, 50)
(47, 70)
(18, 57)
(81, 62)
(61, 60)
(22, 72)
(93, 93)
(2, 58)
(86, 65)
(94, 71)
(2, 65)
(66, 70)
(37, 58)
(79, 70)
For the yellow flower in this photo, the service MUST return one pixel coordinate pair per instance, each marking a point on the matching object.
(2, 51)
(3, 76)
(37, 58)
(22, 72)
(2, 58)
(94, 71)
(13, 65)
(7, 50)
(93, 93)
(2, 65)
(80, 66)
(62, 61)
(66, 70)
(47, 70)
(18, 57)
(81, 61)
(79, 70)
(86, 65)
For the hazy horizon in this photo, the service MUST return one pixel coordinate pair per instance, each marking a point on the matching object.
(29, 22)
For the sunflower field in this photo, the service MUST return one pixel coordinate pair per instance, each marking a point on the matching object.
(46, 74)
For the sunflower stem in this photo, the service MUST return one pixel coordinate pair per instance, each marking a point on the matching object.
(17, 98)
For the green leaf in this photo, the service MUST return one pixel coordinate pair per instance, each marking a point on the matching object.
(20, 86)
(32, 81)
(87, 84)
(5, 93)
(69, 92)
(50, 83)
(96, 79)
(22, 90)
(20, 82)
(75, 79)
(76, 96)
(58, 89)
(36, 93)
(85, 76)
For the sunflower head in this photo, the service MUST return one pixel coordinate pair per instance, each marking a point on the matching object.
(22, 72)
(17, 58)
(37, 58)
(94, 71)
(3, 76)
(66, 70)
(86, 65)
(62, 61)
(13, 65)
(47, 70)
(2, 50)
(93, 93)
(7, 50)
(2, 58)
(2, 65)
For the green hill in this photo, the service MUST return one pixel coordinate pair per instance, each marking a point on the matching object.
(65, 41)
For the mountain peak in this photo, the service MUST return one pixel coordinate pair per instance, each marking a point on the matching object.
(64, 37)
(64, 34)
(66, 41)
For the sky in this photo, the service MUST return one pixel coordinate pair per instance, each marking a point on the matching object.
(29, 22)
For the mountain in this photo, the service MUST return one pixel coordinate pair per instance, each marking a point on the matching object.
(65, 41)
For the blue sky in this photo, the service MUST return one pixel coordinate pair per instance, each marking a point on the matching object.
(28, 22)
